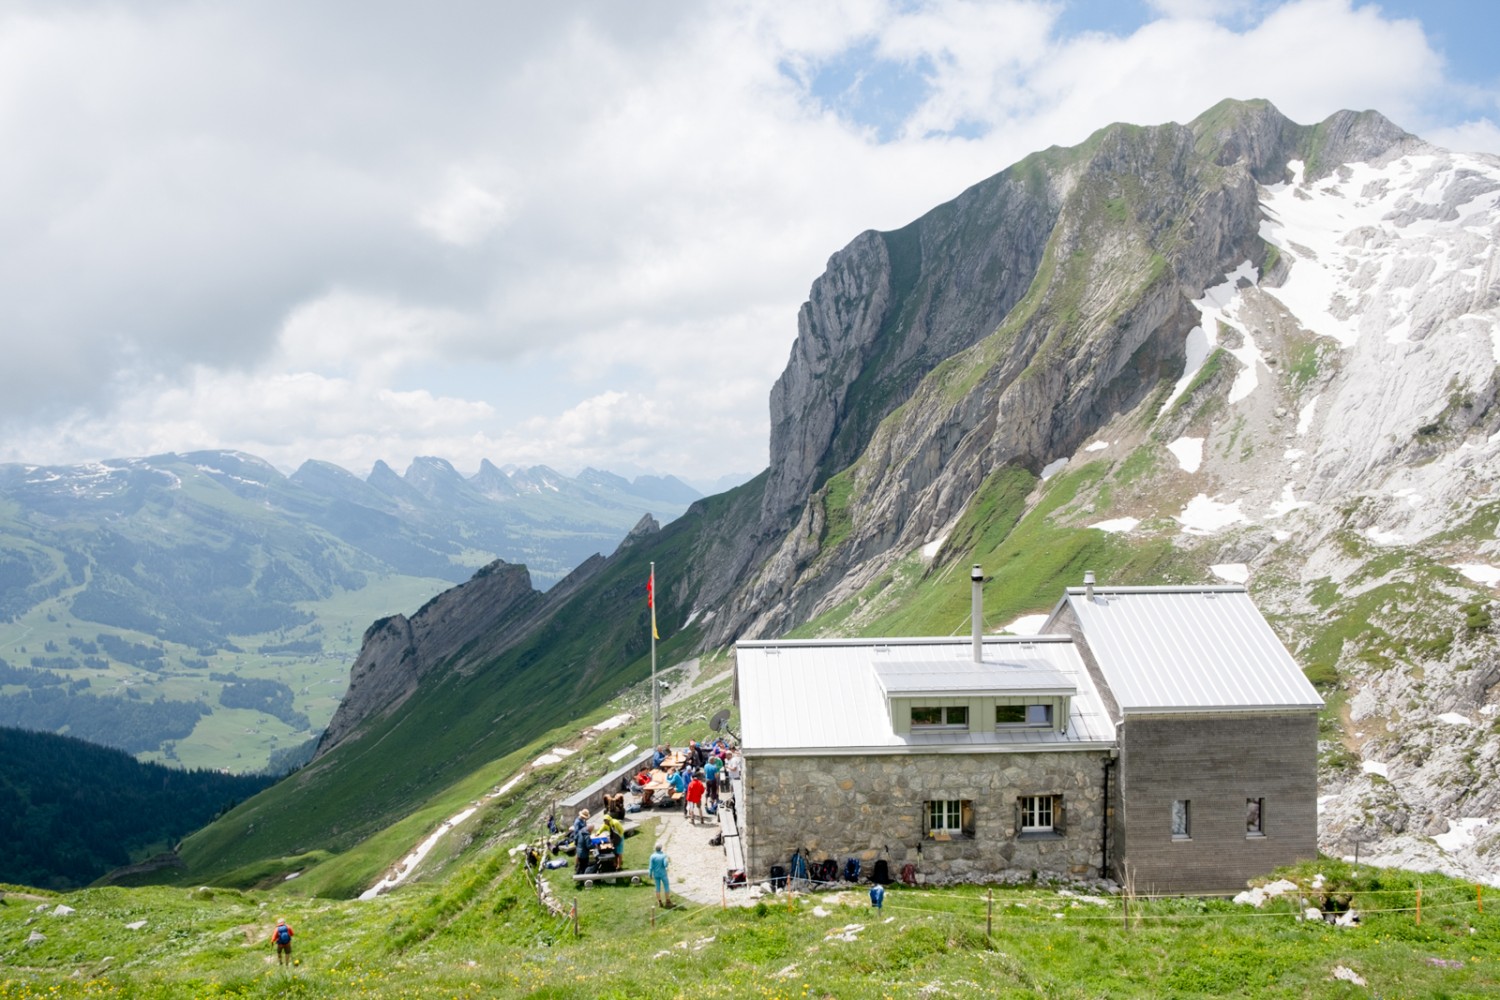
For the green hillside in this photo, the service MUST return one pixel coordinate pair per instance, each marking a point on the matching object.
(595, 644)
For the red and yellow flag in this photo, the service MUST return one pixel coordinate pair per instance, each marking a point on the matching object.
(651, 601)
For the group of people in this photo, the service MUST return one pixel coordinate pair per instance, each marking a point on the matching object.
(693, 775)
(602, 845)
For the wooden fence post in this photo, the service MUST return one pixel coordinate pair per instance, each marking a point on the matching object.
(1419, 906)
(989, 912)
(575, 918)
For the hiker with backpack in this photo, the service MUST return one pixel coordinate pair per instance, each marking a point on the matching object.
(282, 938)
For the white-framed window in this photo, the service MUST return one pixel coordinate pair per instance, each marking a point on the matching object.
(1039, 813)
(950, 818)
(1182, 819)
(1255, 817)
(1023, 715)
(940, 717)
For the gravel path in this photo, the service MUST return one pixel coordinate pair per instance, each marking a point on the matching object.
(696, 869)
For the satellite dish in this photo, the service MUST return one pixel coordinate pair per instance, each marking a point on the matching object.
(720, 717)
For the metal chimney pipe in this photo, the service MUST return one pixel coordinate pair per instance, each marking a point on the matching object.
(1088, 585)
(977, 614)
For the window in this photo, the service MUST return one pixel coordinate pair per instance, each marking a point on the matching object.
(1038, 813)
(1023, 715)
(1255, 815)
(948, 818)
(1181, 819)
(950, 716)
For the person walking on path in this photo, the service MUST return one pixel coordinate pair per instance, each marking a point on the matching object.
(694, 797)
(282, 938)
(658, 868)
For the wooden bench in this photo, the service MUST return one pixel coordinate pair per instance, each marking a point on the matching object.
(734, 852)
(635, 875)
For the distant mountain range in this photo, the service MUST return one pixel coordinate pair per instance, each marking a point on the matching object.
(179, 583)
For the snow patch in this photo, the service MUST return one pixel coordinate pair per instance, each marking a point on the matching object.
(1026, 625)
(409, 863)
(1288, 502)
(1481, 573)
(556, 756)
(1305, 416)
(1461, 833)
(1375, 767)
(613, 722)
(1189, 453)
(1455, 719)
(930, 550)
(1119, 525)
(1097, 446)
(1231, 572)
(1218, 307)
(1204, 516)
(1382, 537)
(1053, 468)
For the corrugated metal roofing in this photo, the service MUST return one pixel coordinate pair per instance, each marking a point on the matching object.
(1187, 649)
(814, 696)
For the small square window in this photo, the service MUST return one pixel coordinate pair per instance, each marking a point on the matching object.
(1181, 819)
(948, 818)
(1255, 817)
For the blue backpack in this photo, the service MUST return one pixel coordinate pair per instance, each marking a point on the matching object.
(851, 870)
(283, 934)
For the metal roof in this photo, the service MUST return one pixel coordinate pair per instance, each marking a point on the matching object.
(1186, 649)
(1027, 674)
(825, 696)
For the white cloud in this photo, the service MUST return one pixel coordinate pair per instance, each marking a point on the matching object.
(573, 235)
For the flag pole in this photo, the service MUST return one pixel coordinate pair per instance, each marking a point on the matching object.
(655, 691)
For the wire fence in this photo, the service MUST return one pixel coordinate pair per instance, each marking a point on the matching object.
(1129, 909)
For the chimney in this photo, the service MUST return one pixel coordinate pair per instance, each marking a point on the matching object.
(977, 576)
(1088, 585)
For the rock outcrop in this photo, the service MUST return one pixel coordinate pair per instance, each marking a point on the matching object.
(398, 653)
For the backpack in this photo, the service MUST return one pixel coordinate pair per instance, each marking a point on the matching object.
(851, 870)
(283, 934)
(882, 872)
(778, 878)
(909, 874)
(828, 871)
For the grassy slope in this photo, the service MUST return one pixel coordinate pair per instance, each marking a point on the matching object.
(469, 925)
(452, 730)
(481, 933)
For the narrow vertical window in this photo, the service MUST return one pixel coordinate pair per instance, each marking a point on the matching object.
(1181, 819)
(1255, 817)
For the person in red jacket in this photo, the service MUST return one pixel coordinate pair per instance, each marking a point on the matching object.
(694, 796)
(282, 938)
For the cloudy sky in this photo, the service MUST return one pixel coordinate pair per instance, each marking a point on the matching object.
(573, 234)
